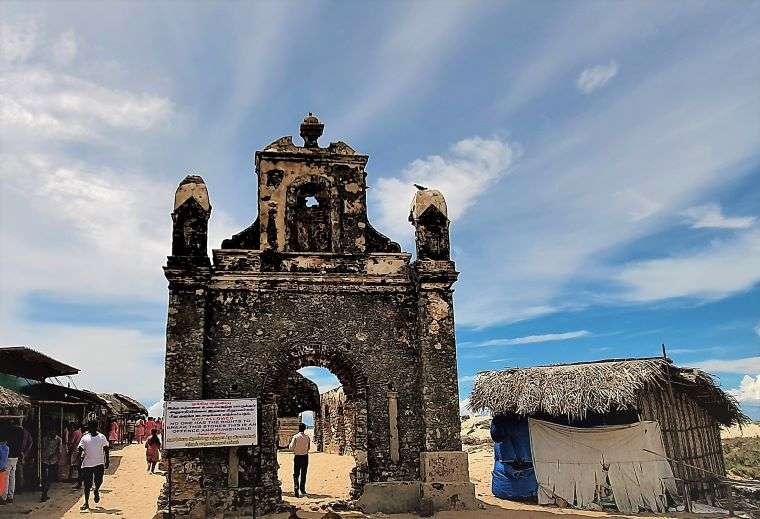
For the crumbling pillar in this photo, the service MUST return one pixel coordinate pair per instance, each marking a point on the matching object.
(444, 469)
(188, 271)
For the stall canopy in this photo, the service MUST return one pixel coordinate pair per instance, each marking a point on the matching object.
(46, 392)
(28, 363)
(133, 405)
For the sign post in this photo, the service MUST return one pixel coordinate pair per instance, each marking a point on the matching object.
(201, 424)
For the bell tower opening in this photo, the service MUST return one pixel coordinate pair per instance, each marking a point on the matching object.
(310, 218)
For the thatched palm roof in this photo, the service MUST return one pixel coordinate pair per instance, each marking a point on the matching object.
(575, 390)
(10, 400)
(115, 406)
(133, 405)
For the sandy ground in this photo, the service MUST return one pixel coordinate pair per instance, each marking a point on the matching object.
(127, 491)
(748, 431)
(328, 480)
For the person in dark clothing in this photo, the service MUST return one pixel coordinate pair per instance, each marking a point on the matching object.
(13, 434)
(52, 445)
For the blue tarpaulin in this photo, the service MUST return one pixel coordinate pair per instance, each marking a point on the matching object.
(513, 476)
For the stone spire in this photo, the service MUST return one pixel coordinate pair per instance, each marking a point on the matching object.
(311, 131)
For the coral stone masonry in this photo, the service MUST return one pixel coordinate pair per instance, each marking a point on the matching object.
(311, 283)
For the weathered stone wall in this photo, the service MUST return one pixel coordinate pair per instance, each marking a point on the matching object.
(336, 423)
(310, 282)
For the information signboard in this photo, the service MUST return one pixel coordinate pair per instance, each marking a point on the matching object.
(193, 424)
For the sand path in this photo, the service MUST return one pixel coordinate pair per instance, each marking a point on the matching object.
(127, 491)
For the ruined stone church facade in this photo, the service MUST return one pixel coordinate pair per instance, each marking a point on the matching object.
(311, 282)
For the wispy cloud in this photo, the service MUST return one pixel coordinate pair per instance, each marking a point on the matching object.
(86, 226)
(757, 329)
(533, 339)
(594, 78)
(559, 221)
(469, 167)
(703, 274)
(420, 36)
(710, 216)
(745, 366)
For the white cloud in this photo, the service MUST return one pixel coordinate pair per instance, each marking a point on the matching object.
(745, 366)
(18, 39)
(38, 103)
(82, 225)
(710, 216)
(757, 329)
(65, 47)
(594, 78)
(533, 339)
(467, 378)
(470, 167)
(748, 391)
(724, 268)
(111, 360)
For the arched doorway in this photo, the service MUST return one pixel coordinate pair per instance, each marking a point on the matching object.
(353, 383)
(331, 460)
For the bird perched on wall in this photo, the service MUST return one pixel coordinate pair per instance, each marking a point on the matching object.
(421, 188)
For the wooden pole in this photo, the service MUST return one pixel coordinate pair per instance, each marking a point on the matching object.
(169, 480)
(676, 440)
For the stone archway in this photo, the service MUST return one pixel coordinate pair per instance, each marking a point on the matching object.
(346, 299)
(299, 354)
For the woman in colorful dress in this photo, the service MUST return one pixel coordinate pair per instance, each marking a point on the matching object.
(152, 448)
(140, 430)
(113, 433)
(149, 426)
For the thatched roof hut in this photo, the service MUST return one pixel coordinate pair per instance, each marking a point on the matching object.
(133, 405)
(687, 403)
(602, 387)
(12, 403)
(115, 406)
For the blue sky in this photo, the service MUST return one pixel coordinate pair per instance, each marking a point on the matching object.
(601, 162)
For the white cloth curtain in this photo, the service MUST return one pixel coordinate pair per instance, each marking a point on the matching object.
(573, 462)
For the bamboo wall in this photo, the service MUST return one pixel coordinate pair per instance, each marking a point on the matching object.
(689, 433)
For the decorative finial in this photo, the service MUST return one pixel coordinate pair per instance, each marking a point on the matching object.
(311, 131)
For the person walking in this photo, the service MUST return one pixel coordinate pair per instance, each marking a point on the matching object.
(149, 426)
(113, 433)
(25, 458)
(130, 431)
(52, 445)
(3, 470)
(152, 448)
(93, 448)
(140, 430)
(75, 461)
(300, 444)
(13, 435)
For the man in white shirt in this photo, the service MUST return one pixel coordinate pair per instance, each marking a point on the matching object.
(300, 444)
(93, 450)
